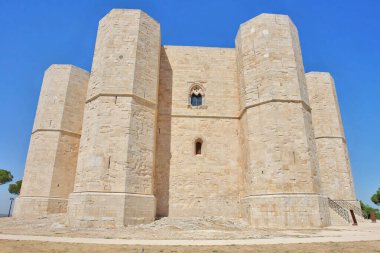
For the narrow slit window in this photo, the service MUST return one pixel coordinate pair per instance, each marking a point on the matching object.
(198, 147)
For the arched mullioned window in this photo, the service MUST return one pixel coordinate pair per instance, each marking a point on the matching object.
(196, 100)
(198, 146)
(196, 96)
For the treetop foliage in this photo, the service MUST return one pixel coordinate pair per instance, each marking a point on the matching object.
(5, 177)
(376, 197)
(15, 188)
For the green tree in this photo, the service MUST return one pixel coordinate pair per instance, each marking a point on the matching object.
(367, 209)
(376, 197)
(15, 188)
(5, 177)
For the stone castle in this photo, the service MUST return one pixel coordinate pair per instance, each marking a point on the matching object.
(177, 131)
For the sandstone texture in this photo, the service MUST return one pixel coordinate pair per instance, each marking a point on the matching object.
(53, 150)
(187, 132)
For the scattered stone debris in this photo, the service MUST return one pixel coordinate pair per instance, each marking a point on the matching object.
(164, 228)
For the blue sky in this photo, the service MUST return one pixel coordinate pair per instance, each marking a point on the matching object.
(341, 37)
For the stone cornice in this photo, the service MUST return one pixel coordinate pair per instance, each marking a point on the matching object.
(331, 137)
(306, 106)
(241, 112)
(56, 130)
(138, 99)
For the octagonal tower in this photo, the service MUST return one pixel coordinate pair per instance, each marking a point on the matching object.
(336, 177)
(280, 170)
(53, 151)
(114, 180)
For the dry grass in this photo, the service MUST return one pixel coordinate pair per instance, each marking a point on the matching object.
(7, 246)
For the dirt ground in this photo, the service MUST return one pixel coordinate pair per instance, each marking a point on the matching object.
(51, 234)
(185, 228)
(44, 247)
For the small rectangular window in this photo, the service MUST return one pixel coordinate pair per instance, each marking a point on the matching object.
(198, 148)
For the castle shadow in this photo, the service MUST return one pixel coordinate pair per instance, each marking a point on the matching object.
(163, 141)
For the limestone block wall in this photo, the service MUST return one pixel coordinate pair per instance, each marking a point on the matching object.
(187, 184)
(281, 173)
(207, 184)
(337, 182)
(114, 180)
(53, 150)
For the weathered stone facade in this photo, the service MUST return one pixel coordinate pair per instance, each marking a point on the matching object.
(188, 131)
(53, 151)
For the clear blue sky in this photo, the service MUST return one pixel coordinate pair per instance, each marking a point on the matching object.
(338, 36)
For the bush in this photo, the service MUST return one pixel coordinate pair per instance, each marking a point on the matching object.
(367, 209)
